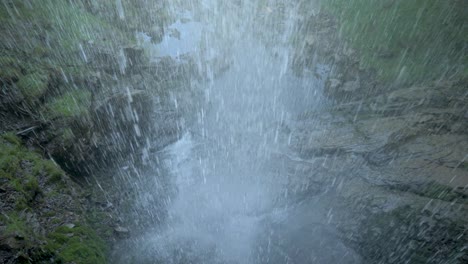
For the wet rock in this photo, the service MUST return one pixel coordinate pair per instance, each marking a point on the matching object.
(351, 86)
(135, 58)
(156, 33)
(405, 226)
(332, 85)
(121, 232)
(70, 225)
(103, 58)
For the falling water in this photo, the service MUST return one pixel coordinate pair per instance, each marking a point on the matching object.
(234, 199)
(245, 131)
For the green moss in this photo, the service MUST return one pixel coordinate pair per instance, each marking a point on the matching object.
(12, 138)
(10, 156)
(28, 187)
(31, 186)
(12, 153)
(33, 85)
(15, 224)
(21, 204)
(49, 214)
(74, 104)
(54, 173)
(65, 137)
(56, 221)
(9, 69)
(40, 51)
(18, 228)
(78, 245)
(22, 169)
(16, 184)
(47, 168)
(95, 218)
(405, 40)
(3, 174)
(9, 73)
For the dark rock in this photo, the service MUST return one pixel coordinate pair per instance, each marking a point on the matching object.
(12, 241)
(135, 58)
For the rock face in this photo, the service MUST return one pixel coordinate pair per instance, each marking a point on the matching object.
(392, 153)
(98, 104)
(75, 102)
(401, 177)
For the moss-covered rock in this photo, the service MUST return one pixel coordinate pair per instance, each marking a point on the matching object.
(11, 138)
(65, 244)
(33, 85)
(76, 244)
(20, 237)
(39, 203)
(21, 168)
(58, 59)
(403, 40)
(72, 105)
(65, 24)
(10, 71)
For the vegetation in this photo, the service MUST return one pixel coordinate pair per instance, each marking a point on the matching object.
(51, 55)
(33, 85)
(66, 24)
(78, 245)
(16, 225)
(66, 244)
(9, 69)
(95, 218)
(22, 168)
(73, 104)
(406, 40)
(27, 175)
(11, 138)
